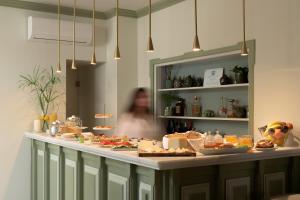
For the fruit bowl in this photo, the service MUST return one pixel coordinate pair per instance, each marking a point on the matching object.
(277, 132)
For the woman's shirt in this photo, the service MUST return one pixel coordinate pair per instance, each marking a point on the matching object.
(136, 127)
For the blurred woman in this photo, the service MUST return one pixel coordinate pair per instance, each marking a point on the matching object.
(137, 121)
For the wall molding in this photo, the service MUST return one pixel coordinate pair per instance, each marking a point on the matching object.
(42, 7)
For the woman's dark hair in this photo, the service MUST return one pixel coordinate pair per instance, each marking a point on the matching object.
(135, 94)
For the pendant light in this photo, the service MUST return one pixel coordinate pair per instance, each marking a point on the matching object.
(117, 51)
(93, 60)
(244, 50)
(74, 37)
(58, 67)
(150, 47)
(196, 44)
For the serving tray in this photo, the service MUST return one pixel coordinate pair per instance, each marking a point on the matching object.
(212, 151)
(165, 154)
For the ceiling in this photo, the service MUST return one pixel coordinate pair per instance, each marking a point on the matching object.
(101, 5)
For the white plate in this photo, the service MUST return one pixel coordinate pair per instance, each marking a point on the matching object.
(84, 127)
(213, 151)
(101, 129)
(104, 116)
(266, 149)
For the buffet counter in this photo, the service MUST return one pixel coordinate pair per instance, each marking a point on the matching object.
(79, 171)
(167, 163)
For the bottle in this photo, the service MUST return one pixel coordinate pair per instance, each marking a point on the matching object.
(170, 127)
(225, 80)
(183, 127)
(196, 107)
(177, 127)
(223, 108)
(179, 108)
(167, 111)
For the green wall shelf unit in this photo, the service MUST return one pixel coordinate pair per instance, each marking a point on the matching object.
(194, 64)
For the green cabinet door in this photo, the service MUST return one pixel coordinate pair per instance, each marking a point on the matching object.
(146, 182)
(40, 173)
(72, 179)
(91, 177)
(145, 191)
(236, 181)
(273, 177)
(238, 189)
(196, 192)
(54, 172)
(119, 185)
(274, 184)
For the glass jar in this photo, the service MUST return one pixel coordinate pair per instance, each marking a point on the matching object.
(73, 121)
(233, 139)
(218, 139)
(246, 140)
(209, 141)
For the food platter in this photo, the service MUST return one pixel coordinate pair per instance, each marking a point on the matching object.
(220, 151)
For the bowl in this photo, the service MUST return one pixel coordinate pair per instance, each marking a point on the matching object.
(277, 134)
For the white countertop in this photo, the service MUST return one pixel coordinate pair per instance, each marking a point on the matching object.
(165, 163)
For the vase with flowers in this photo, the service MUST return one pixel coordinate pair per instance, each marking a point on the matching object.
(43, 84)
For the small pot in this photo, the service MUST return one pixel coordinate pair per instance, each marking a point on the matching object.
(240, 77)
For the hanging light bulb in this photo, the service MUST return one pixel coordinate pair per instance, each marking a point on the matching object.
(117, 50)
(58, 67)
(196, 44)
(74, 37)
(150, 47)
(244, 50)
(93, 60)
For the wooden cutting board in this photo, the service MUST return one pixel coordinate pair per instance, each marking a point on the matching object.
(166, 154)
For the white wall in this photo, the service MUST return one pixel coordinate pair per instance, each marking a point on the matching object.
(127, 66)
(121, 75)
(273, 23)
(18, 56)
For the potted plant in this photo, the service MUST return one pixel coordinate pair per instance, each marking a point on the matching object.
(42, 83)
(168, 99)
(240, 74)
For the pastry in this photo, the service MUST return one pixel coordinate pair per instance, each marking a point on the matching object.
(264, 144)
(193, 135)
(226, 145)
(103, 128)
(102, 116)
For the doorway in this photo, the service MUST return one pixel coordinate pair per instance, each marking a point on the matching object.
(80, 92)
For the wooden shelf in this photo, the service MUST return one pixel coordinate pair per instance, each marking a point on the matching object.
(205, 88)
(205, 118)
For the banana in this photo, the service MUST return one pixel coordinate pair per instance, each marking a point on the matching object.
(275, 126)
(275, 122)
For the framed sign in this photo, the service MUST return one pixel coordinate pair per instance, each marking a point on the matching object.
(212, 77)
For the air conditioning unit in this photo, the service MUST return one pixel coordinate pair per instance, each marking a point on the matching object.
(45, 29)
